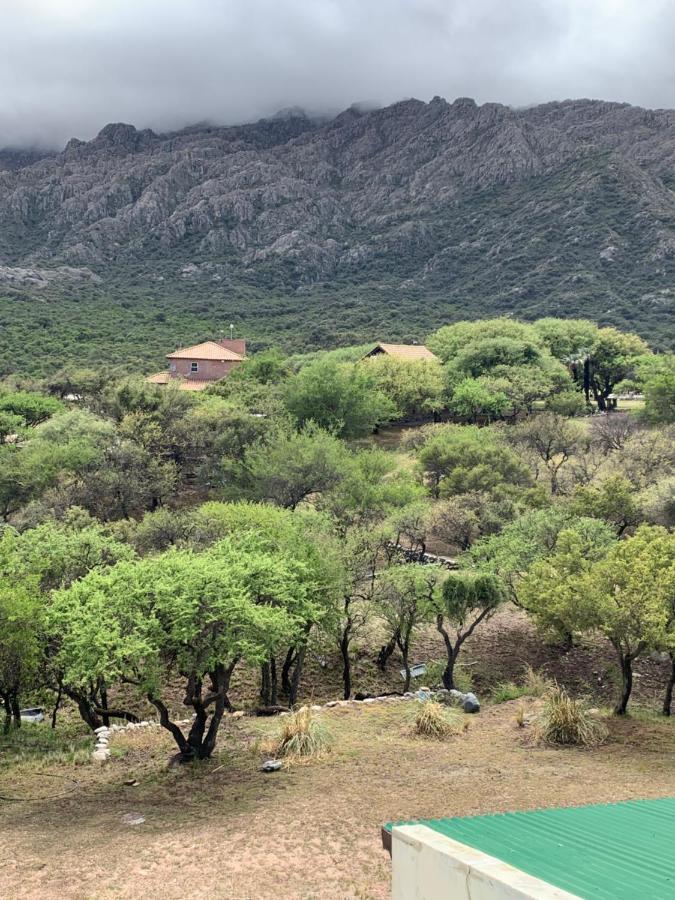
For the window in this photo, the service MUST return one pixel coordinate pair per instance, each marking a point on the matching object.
(194, 367)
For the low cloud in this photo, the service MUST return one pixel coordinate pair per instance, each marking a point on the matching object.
(67, 67)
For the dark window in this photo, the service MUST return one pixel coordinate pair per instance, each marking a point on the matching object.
(194, 367)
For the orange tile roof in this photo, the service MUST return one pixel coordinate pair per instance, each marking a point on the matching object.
(207, 350)
(403, 351)
(183, 384)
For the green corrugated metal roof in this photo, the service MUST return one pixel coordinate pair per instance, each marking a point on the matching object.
(616, 851)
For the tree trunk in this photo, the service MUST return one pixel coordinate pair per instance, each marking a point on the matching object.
(8, 714)
(587, 380)
(386, 651)
(16, 710)
(626, 663)
(404, 646)
(668, 699)
(346, 663)
(449, 671)
(297, 671)
(57, 704)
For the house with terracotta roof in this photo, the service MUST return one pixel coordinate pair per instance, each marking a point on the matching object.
(195, 368)
(401, 351)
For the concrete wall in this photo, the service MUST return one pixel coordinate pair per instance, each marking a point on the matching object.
(427, 865)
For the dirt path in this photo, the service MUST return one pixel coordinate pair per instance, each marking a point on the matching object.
(228, 831)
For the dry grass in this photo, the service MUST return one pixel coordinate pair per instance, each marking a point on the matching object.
(536, 683)
(301, 735)
(437, 721)
(520, 715)
(304, 832)
(565, 721)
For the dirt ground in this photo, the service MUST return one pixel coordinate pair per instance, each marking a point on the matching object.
(223, 829)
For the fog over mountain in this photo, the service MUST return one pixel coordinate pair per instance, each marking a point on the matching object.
(69, 66)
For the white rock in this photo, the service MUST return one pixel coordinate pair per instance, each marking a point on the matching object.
(103, 729)
(315, 708)
(101, 755)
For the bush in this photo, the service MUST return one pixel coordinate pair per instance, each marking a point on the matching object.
(436, 721)
(565, 721)
(301, 735)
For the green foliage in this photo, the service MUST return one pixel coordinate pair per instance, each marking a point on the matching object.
(493, 341)
(508, 690)
(341, 397)
(613, 500)
(32, 408)
(413, 386)
(292, 466)
(457, 459)
(567, 339)
(659, 391)
(535, 535)
(475, 401)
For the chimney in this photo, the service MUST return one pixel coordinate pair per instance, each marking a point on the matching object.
(236, 345)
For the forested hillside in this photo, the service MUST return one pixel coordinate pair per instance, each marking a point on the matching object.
(309, 233)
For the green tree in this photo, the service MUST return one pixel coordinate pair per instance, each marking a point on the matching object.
(342, 398)
(476, 401)
(613, 358)
(659, 391)
(20, 615)
(532, 537)
(614, 500)
(465, 601)
(552, 439)
(456, 459)
(624, 595)
(406, 598)
(414, 387)
(193, 615)
(293, 466)
(33, 408)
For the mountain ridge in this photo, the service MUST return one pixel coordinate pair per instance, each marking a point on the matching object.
(566, 207)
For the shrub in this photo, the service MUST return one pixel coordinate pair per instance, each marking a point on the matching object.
(436, 721)
(565, 721)
(301, 735)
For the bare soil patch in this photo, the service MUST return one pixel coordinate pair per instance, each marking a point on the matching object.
(225, 830)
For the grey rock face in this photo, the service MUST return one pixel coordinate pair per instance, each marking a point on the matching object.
(322, 199)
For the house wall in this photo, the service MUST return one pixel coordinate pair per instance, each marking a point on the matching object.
(427, 865)
(209, 369)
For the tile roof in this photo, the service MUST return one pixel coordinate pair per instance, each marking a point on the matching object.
(403, 351)
(207, 350)
(184, 384)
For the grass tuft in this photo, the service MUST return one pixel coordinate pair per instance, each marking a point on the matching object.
(565, 721)
(301, 735)
(437, 721)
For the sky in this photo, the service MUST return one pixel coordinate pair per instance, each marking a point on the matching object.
(68, 67)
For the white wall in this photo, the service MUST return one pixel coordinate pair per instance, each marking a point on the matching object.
(427, 865)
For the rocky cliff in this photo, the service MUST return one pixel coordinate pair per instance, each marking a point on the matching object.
(563, 208)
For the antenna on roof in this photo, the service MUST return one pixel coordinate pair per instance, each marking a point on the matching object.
(231, 332)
